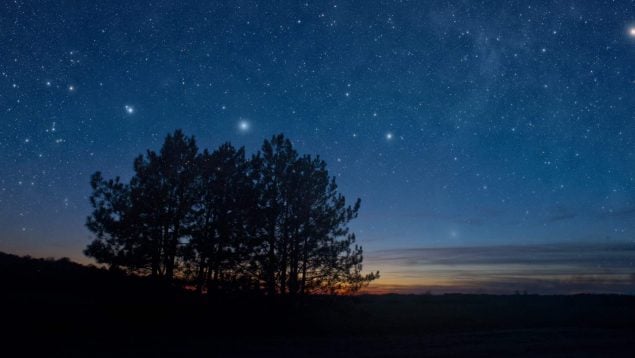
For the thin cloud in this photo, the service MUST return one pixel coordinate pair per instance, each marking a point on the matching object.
(560, 213)
(556, 268)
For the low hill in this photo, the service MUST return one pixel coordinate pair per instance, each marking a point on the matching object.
(46, 281)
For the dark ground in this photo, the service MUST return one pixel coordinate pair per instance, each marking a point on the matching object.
(61, 309)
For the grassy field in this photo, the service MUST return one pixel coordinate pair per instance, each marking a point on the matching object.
(58, 308)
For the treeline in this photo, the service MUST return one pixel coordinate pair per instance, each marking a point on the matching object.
(221, 222)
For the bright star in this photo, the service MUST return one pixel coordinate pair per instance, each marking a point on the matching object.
(71, 88)
(631, 31)
(243, 125)
(129, 109)
(389, 136)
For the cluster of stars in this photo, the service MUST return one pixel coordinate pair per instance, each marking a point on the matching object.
(437, 118)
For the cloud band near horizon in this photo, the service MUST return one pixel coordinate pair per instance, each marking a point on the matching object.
(560, 268)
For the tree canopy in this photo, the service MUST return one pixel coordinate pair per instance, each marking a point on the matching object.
(274, 223)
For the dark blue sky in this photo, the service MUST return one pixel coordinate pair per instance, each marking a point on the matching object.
(461, 125)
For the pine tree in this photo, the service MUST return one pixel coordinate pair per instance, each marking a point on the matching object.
(305, 241)
(141, 224)
(219, 233)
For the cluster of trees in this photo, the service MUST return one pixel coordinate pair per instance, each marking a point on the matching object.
(273, 223)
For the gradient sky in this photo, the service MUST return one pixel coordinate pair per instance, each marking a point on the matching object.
(492, 143)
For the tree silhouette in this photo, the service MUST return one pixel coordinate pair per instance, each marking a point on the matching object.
(140, 225)
(162, 191)
(274, 223)
(303, 221)
(112, 222)
(220, 229)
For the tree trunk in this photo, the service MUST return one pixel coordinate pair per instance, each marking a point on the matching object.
(270, 269)
(200, 276)
(305, 254)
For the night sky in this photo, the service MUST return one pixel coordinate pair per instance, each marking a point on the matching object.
(492, 143)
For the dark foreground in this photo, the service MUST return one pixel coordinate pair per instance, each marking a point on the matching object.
(67, 310)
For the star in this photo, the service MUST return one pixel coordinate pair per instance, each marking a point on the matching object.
(631, 31)
(71, 88)
(389, 136)
(129, 109)
(243, 125)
